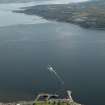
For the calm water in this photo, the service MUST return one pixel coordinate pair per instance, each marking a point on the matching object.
(27, 47)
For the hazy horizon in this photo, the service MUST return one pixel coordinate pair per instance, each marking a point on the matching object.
(60, 1)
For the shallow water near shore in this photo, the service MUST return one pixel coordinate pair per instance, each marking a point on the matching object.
(29, 43)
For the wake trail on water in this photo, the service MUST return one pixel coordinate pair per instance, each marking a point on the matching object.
(50, 68)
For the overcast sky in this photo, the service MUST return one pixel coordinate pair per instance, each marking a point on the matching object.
(60, 1)
(70, 1)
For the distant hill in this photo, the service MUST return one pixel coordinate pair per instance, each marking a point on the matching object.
(87, 14)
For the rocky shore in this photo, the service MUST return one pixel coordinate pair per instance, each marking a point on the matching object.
(86, 14)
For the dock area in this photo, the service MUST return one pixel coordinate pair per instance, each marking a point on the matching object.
(47, 99)
(32, 103)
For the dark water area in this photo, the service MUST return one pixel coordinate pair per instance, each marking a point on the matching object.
(77, 54)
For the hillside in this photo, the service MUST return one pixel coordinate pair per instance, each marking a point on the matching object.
(86, 14)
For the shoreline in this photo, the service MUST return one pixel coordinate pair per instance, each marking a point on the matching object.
(17, 103)
(89, 15)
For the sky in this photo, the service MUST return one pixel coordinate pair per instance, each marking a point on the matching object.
(71, 0)
(60, 1)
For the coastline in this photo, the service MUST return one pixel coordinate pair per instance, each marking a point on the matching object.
(88, 15)
(17, 103)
